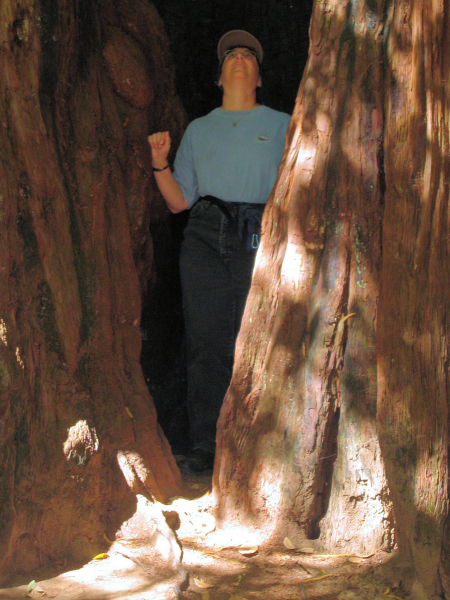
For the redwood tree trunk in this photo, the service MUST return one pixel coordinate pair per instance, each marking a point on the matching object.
(78, 427)
(414, 309)
(298, 440)
(348, 311)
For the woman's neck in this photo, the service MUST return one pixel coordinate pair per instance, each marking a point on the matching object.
(239, 101)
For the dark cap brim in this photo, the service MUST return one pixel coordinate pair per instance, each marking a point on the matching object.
(237, 38)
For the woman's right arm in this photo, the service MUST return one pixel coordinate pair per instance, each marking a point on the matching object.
(169, 188)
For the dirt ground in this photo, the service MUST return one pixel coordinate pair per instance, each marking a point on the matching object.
(148, 562)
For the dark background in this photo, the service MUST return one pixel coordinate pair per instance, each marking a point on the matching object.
(194, 28)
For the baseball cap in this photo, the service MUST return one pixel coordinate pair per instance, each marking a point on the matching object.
(237, 38)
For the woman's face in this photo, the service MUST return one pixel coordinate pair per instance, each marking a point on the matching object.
(240, 65)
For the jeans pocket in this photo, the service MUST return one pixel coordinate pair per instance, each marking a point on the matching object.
(249, 225)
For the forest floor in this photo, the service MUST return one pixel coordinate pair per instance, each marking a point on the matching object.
(213, 565)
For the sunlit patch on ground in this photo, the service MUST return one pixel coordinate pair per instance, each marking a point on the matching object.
(232, 564)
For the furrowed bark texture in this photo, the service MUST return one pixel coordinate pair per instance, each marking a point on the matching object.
(297, 433)
(414, 309)
(78, 429)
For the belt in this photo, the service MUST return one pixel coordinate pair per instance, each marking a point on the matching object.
(229, 209)
(245, 216)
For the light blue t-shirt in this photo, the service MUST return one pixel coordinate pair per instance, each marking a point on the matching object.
(232, 155)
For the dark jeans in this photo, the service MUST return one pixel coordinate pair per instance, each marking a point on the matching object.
(216, 273)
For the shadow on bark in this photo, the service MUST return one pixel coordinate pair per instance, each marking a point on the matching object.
(79, 430)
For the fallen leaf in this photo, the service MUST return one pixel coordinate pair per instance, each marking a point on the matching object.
(129, 412)
(306, 550)
(31, 585)
(248, 550)
(355, 560)
(202, 584)
(348, 317)
(36, 592)
(320, 578)
(388, 594)
(234, 561)
(307, 571)
(288, 544)
(107, 539)
(236, 583)
(101, 556)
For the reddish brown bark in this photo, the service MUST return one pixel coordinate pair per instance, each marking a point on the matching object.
(298, 429)
(349, 303)
(77, 100)
(348, 312)
(414, 308)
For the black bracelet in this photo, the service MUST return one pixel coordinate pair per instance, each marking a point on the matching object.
(159, 170)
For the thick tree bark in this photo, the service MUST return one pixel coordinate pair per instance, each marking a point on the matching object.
(349, 304)
(414, 309)
(81, 87)
(298, 440)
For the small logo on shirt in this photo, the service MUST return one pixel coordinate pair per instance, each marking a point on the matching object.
(263, 138)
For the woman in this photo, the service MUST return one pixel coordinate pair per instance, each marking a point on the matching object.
(227, 163)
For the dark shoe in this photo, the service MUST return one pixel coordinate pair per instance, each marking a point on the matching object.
(200, 460)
